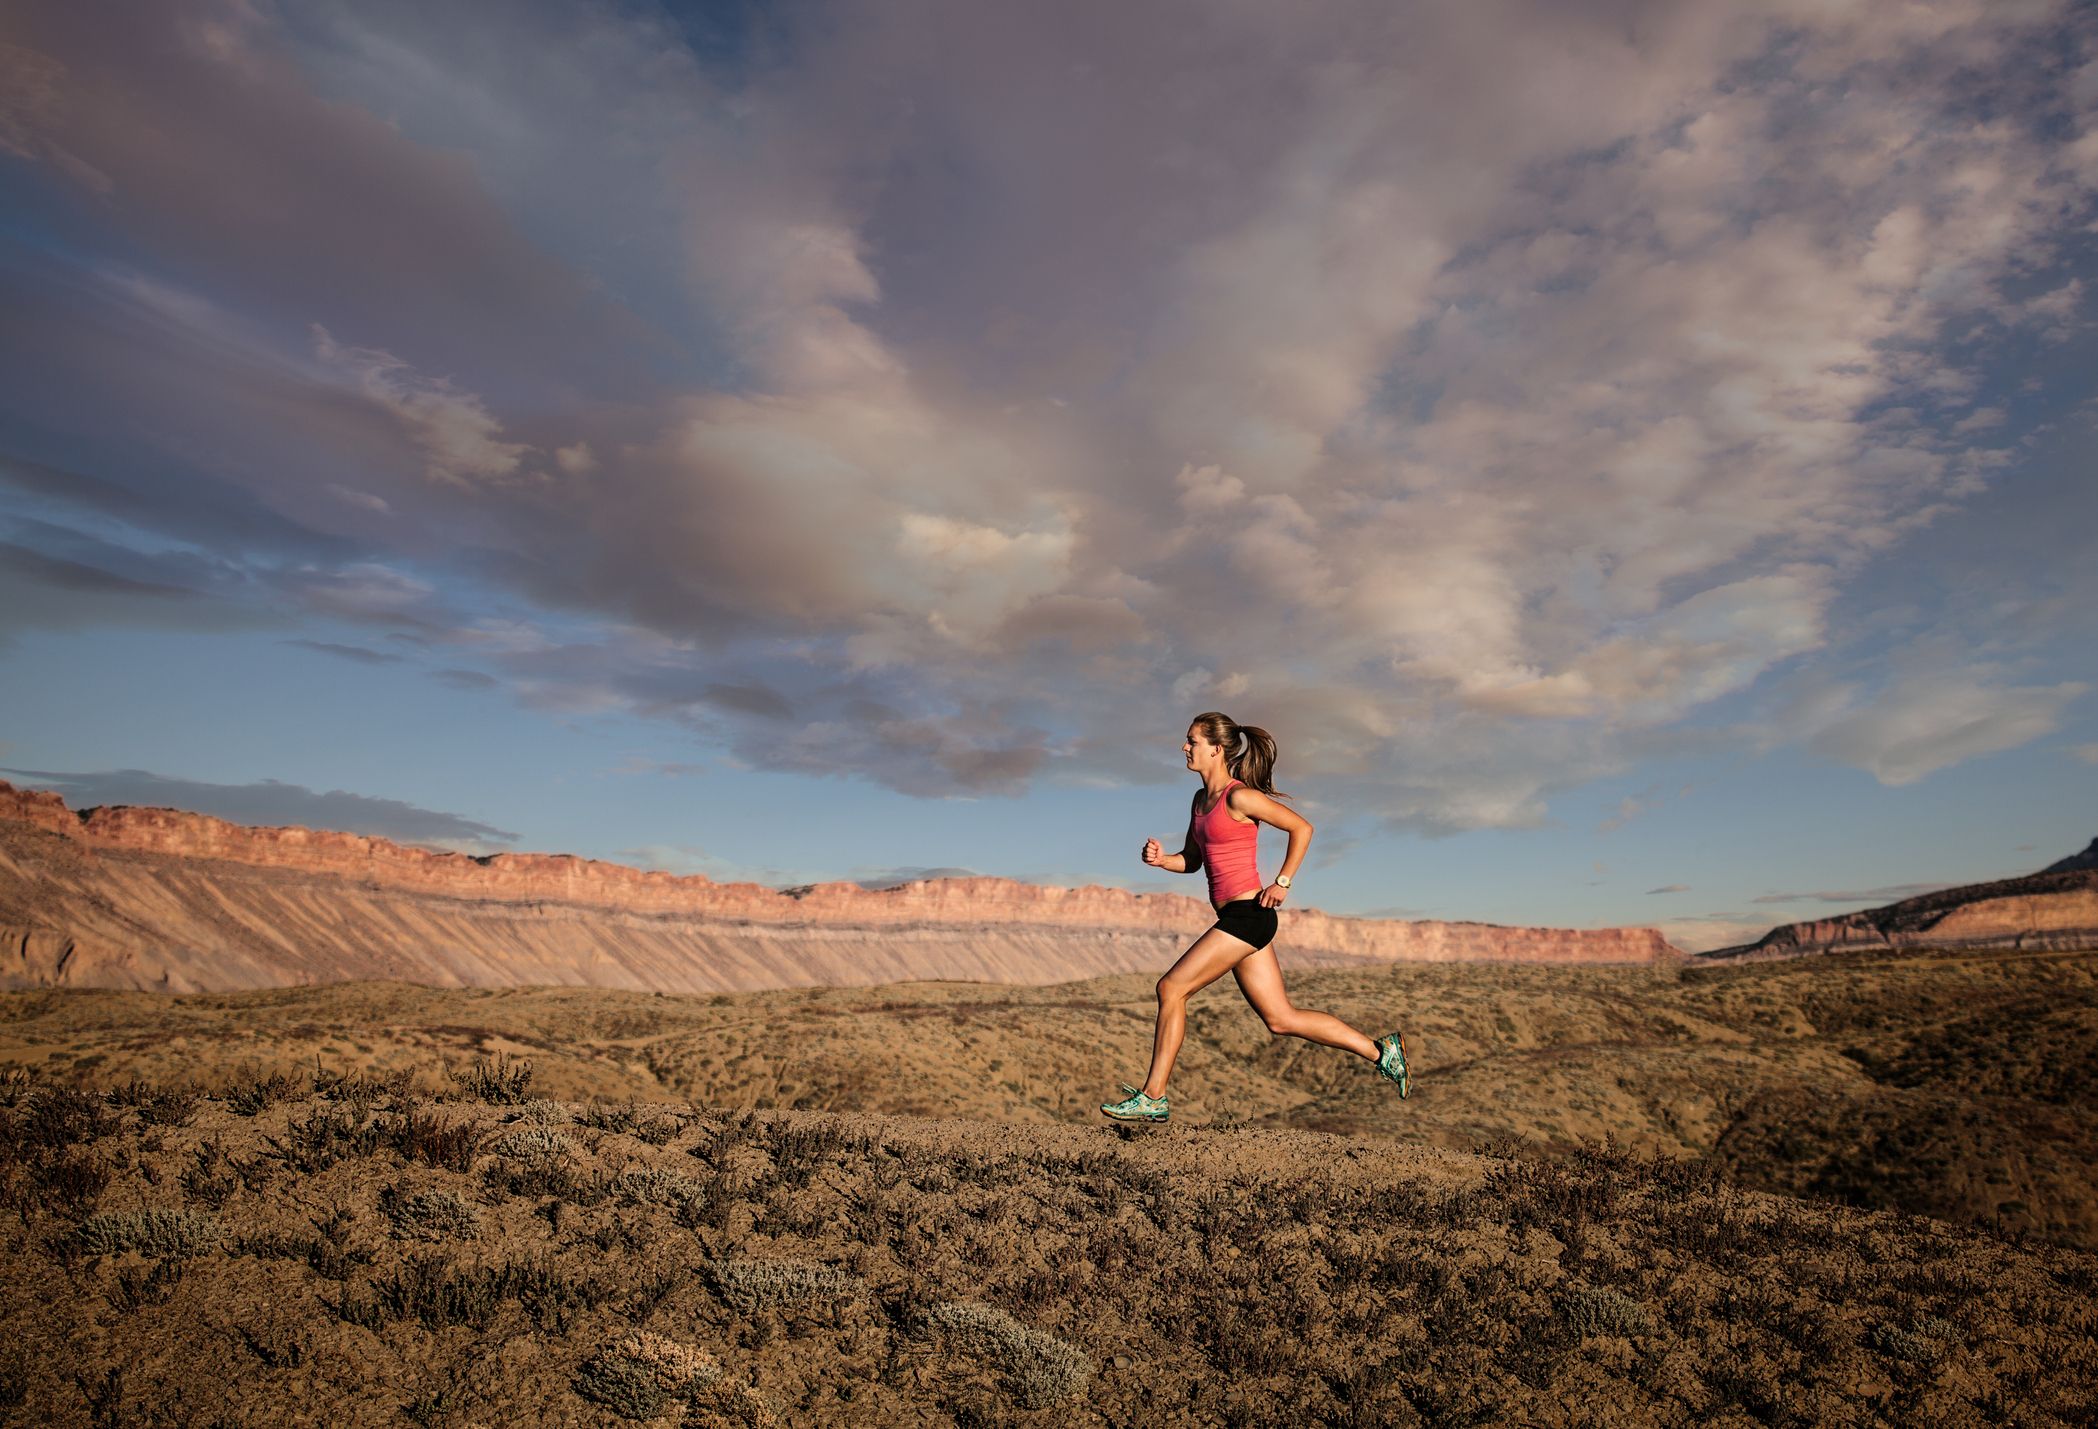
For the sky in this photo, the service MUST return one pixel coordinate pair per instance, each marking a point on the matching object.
(1635, 458)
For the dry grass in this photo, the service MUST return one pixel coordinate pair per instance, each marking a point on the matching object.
(565, 1205)
(1951, 1085)
(815, 1268)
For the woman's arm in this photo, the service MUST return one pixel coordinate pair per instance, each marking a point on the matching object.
(1188, 860)
(1256, 805)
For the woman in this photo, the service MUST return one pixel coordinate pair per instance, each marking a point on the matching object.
(1235, 764)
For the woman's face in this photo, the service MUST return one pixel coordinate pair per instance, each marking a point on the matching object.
(1196, 748)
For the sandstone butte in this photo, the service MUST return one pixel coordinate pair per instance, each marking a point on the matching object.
(2053, 909)
(148, 898)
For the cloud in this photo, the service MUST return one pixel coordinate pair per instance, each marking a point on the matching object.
(356, 653)
(1473, 395)
(454, 428)
(1701, 933)
(270, 802)
(1891, 893)
(2088, 753)
(657, 768)
(1670, 888)
(897, 877)
(467, 679)
(1926, 722)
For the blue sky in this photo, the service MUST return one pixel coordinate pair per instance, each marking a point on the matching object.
(1637, 460)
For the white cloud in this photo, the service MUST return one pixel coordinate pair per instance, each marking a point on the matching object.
(1470, 394)
(1926, 722)
(454, 428)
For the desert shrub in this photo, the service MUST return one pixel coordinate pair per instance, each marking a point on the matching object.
(749, 1284)
(140, 1286)
(432, 1290)
(318, 1141)
(156, 1106)
(532, 1143)
(630, 1120)
(276, 1345)
(1911, 1345)
(362, 1086)
(330, 1254)
(253, 1098)
(155, 1232)
(209, 1178)
(53, 1118)
(640, 1375)
(1598, 1310)
(800, 1150)
(500, 1082)
(541, 1112)
(437, 1292)
(69, 1180)
(449, 1146)
(1038, 1370)
(655, 1186)
(429, 1215)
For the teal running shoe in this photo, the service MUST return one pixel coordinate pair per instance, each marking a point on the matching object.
(1391, 1063)
(1136, 1106)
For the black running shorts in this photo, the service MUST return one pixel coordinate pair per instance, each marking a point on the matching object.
(1245, 919)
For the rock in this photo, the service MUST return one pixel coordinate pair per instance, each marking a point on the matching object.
(120, 896)
(2040, 911)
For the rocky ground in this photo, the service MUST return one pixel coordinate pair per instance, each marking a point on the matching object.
(1958, 1086)
(350, 1250)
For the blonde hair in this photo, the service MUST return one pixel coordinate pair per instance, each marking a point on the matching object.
(1249, 750)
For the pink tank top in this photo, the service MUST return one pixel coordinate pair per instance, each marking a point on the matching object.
(1229, 850)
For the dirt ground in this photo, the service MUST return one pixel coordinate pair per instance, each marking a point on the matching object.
(366, 1254)
(1953, 1086)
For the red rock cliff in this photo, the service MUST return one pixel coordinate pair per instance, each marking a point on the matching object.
(2040, 911)
(148, 897)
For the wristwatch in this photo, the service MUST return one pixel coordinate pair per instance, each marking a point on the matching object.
(1282, 880)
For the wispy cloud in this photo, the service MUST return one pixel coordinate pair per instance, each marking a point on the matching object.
(1471, 394)
(356, 653)
(270, 802)
(1891, 893)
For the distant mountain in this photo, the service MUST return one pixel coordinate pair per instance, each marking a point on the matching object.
(2087, 859)
(162, 899)
(2055, 908)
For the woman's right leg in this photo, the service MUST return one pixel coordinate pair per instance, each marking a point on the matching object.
(1260, 979)
(1208, 958)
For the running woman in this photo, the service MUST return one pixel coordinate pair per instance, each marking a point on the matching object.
(1236, 764)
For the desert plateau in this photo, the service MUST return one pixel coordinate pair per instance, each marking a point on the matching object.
(1788, 1183)
(1847, 1189)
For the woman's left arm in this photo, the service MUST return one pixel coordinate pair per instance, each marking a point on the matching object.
(1256, 805)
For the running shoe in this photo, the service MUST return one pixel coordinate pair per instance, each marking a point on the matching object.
(1391, 1063)
(1136, 1107)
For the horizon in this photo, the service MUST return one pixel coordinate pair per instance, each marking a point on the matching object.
(935, 875)
(1638, 467)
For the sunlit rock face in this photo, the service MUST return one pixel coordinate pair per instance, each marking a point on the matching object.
(159, 898)
(2053, 910)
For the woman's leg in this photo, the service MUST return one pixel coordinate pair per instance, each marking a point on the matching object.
(1208, 958)
(1260, 979)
